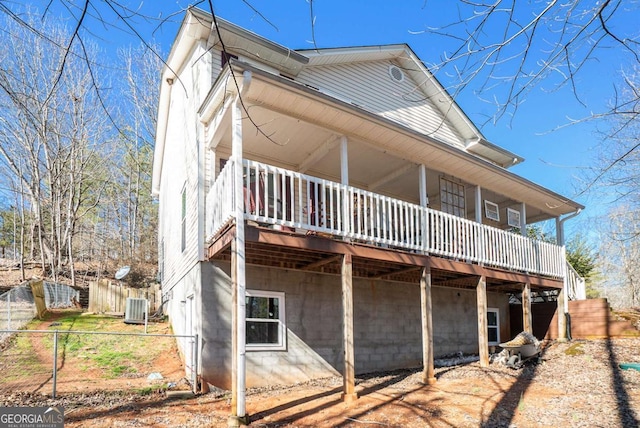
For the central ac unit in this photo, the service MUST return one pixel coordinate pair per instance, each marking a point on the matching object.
(135, 310)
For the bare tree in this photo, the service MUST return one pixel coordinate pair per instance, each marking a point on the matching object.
(620, 247)
(49, 134)
(142, 69)
(504, 49)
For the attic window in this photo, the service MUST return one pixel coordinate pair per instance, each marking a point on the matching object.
(396, 73)
(491, 211)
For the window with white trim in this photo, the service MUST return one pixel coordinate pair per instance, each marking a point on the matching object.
(265, 321)
(513, 217)
(452, 198)
(491, 211)
(493, 326)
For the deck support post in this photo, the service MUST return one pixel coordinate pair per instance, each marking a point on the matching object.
(563, 301)
(483, 334)
(428, 376)
(349, 378)
(526, 308)
(562, 317)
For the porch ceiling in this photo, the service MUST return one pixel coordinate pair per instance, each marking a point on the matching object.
(299, 129)
(286, 250)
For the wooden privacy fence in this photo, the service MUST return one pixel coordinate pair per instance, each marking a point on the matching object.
(591, 318)
(108, 296)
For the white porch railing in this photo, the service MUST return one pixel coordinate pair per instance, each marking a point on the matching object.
(220, 201)
(284, 198)
(576, 288)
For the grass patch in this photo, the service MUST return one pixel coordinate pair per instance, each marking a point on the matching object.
(114, 355)
(148, 390)
(20, 359)
(575, 349)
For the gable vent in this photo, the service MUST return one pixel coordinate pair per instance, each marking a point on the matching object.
(396, 74)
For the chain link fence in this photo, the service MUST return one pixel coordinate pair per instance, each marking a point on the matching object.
(18, 307)
(60, 295)
(66, 362)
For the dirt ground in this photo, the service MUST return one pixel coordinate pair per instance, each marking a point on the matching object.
(78, 374)
(577, 384)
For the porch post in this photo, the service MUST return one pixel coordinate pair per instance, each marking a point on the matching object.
(428, 376)
(234, 329)
(526, 308)
(349, 377)
(238, 274)
(424, 202)
(483, 334)
(424, 198)
(523, 220)
(481, 239)
(344, 161)
(344, 179)
(478, 204)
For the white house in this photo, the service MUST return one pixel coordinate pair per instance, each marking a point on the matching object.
(334, 211)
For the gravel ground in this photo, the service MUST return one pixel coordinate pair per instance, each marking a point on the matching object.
(576, 384)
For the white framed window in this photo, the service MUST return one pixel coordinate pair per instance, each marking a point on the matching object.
(452, 199)
(493, 326)
(491, 211)
(265, 321)
(513, 217)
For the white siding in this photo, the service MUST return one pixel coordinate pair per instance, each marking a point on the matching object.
(368, 85)
(180, 169)
(216, 62)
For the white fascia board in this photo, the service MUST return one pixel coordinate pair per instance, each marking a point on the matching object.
(189, 33)
(449, 108)
(216, 96)
(332, 56)
(439, 95)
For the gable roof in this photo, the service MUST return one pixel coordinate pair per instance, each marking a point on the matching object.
(290, 62)
(280, 60)
(410, 64)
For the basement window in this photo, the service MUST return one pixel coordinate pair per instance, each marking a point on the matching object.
(265, 321)
(493, 326)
